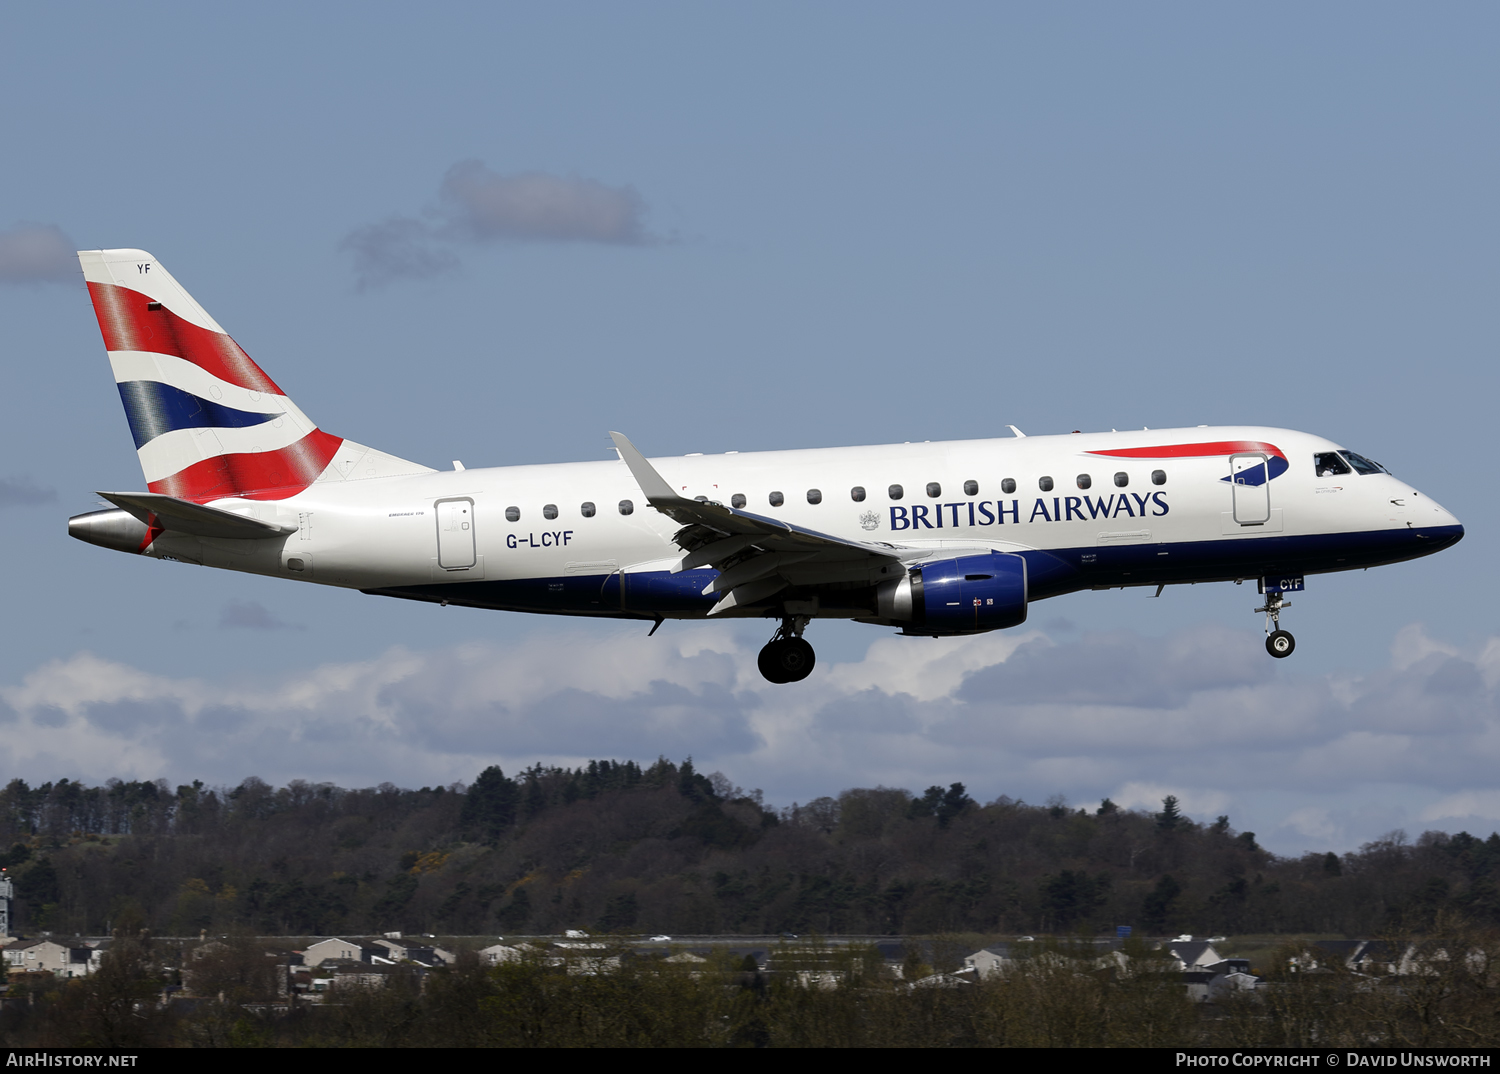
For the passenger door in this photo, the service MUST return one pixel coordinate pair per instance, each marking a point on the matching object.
(1248, 477)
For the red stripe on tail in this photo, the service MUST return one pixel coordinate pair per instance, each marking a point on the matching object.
(128, 325)
(260, 475)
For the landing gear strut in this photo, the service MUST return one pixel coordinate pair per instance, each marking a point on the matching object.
(1279, 643)
(787, 657)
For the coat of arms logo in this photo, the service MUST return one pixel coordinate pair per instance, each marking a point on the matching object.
(870, 520)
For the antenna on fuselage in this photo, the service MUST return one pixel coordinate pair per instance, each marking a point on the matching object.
(1019, 434)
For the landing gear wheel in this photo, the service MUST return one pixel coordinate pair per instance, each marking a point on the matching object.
(787, 657)
(769, 662)
(1278, 642)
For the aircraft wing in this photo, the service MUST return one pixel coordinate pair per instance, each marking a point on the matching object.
(186, 517)
(757, 557)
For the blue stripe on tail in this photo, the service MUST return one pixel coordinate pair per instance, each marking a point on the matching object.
(155, 408)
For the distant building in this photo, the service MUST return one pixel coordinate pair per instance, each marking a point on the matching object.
(337, 948)
(78, 959)
(990, 961)
(399, 950)
(7, 892)
(1193, 954)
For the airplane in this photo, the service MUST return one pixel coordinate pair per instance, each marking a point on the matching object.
(934, 539)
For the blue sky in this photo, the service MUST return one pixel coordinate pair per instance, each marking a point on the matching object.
(843, 224)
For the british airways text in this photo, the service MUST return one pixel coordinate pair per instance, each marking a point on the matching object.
(1054, 509)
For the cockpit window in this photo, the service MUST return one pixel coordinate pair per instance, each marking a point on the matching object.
(1328, 464)
(1363, 465)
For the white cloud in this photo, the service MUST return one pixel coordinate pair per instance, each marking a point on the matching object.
(1194, 801)
(483, 205)
(1315, 823)
(23, 492)
(1413, 644)
(477, 205)
(252, 615)
(1479, 803)
(396, 249)
(37, 253)
(1106, 714)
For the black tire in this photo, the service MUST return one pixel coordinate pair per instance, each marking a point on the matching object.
(769, 662)
(1280, 644)
(787, 660)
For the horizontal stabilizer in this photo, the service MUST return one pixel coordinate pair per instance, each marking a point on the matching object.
(184, 517)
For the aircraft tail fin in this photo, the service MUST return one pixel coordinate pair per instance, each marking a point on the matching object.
(207, 422)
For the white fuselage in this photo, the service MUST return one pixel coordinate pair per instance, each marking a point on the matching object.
(494, 545)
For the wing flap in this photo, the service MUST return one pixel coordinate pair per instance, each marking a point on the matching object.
(757, 556)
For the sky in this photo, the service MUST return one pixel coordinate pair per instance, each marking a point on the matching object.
(493, 232)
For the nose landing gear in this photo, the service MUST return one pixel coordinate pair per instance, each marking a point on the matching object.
(1279, 643)
(787, 657)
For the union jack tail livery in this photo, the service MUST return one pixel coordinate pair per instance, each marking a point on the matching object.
(208, 424)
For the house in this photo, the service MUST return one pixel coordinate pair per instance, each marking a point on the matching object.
(1229, 965)
(498, 953)
(77, 959)
(1369, 957)
(398, 950)
(990, 961)
(1192, 954)
(352, 950)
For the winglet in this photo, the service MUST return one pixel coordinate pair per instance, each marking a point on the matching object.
(652, 483)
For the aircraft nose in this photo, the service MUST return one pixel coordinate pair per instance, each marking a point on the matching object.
(1434, 517)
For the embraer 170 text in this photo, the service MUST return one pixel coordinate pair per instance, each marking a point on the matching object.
(935, 539)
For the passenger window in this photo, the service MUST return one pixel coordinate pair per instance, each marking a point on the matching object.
(934, 489)
(1045, 484)
(1122, 479)
(895, 492)
(814, 495)
(549, 510)
(586, 509)
(737, 500)
(857, 494)
(777, 499)
(626, 507)
(971, 488)
(1084, 481)
(1158, 477)
(512, 514)
(1008, 485)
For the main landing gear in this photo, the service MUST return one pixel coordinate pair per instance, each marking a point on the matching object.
(1279, 643)
(787, 657)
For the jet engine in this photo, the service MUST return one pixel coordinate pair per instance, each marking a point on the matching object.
(966, 595)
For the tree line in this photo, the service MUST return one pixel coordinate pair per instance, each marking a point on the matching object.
(617, 846)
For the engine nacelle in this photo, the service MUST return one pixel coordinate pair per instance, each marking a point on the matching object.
(967, 595)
